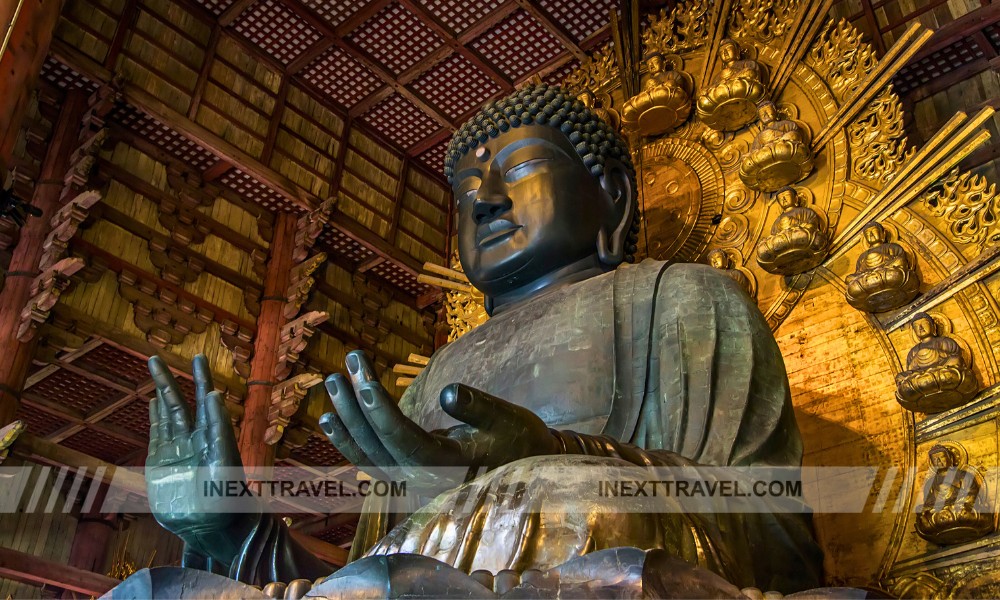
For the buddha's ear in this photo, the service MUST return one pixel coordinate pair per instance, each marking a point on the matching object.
(620, 198)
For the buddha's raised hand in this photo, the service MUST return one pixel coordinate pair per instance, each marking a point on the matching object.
(372, 432)
(183, 456)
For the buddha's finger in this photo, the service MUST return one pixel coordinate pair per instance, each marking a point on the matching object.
(154, 427)
(485, 411)
(219, 432)
(354, 420)
(408, 442)
(163, 426)
(340, 437)
(202, 377)
(174, 409)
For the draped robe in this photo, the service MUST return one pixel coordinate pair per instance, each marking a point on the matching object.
(669, 358)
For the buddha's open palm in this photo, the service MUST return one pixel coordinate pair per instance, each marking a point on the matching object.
(184, 457)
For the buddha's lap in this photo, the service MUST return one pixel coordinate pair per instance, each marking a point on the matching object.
(538, 513)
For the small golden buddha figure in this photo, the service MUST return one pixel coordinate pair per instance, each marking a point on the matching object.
(722, 261)
(884, 277)
(730, 103)
(937, 375)
(664, 102)
(955, 509)
(798, 239)
(779, 155)
(600, 106)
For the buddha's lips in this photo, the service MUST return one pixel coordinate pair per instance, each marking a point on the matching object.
(488, 232)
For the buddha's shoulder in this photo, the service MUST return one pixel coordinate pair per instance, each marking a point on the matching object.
(682, 278)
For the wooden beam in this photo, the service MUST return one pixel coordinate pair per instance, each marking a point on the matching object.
(960, 28)
(234, 11)
(275, 124)
(487, 22)
(444, 33)
(38, 571)
(945, 81)
(308, 56)
(397, 205)
(122, 28)
(368, 61)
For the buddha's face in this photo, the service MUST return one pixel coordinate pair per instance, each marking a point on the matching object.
(527, 206)
(787, 199)
(729, 51)
(767, 113)
(874, 234)
(923, 327)
(941, 458)
(718, 259)
(655, 63)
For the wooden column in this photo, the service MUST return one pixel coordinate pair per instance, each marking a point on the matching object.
(253, 449)
(16, 356)
(91, 540)
(26, 28)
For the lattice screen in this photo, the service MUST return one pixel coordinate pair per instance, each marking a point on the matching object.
(440, 85)
(458, 15)
(518, 45)
(400, 121)
(579, 18)
(162, 136)
(341, 77)
(937, 64)
(279, 31)
(396, 38)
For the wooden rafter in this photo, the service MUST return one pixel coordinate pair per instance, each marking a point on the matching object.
(226, 151)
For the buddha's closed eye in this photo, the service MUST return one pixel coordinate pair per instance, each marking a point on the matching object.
(523, 169)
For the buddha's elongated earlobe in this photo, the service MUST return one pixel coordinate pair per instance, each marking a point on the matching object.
(620, 196)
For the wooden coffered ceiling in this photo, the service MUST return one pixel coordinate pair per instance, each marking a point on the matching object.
(412, 70)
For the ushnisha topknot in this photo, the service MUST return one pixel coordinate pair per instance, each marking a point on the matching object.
(552, 105)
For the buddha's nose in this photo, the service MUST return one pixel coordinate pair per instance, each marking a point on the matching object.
(490, 204)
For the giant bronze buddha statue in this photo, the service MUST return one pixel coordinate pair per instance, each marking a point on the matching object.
(587, 362)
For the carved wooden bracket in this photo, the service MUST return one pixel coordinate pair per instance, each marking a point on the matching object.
(309, 228)
(366, 316)
(82, 162)
(186, 226)
(294, 338)
(301, 283)
(239, 341)
(285, 400)
(65, 224)
(160, 313)
(45, 292)
(189, 187)
(103, 101)
(175, 266)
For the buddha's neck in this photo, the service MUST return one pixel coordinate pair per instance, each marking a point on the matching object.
(572, 273)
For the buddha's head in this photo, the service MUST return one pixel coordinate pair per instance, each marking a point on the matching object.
(729, 50)
(941, 457)
(874, 234)
(767, 112)
(545, 189)
(718, 259)
(655, 63)
(923, 326)
(787, 198)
